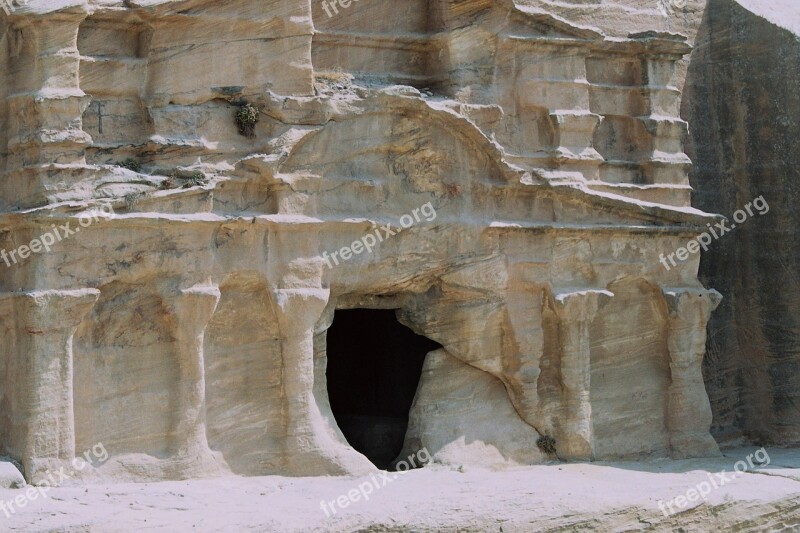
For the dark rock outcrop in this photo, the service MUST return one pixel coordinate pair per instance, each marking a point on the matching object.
(742, 101)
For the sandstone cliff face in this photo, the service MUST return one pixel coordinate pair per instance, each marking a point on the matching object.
(743, 101)
(532, 169)
(619, 18)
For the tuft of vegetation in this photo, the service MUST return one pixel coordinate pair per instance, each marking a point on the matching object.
(195, 179)
(333, 81)
(246, 119)
(132, 198)
(131, 164)
(176, 180)
(335, 76)
(547, 444)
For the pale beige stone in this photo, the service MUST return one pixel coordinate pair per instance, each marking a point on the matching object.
(463, 416)
(187, 332)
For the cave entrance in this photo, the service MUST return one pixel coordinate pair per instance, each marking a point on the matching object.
(374, 367)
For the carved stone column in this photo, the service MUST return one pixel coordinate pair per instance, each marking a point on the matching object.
(689, 411)
(666, 164)
(192, 309)
(576, 310)
(46, 104)
(309, 448)
(40, 375)
(574, 131)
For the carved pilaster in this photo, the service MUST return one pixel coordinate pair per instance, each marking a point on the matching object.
(40, 375)
(689, 411)
(192, 309)
(309, 448)
(667, 163)
(45, 106)
(574, 132)
(576, 310)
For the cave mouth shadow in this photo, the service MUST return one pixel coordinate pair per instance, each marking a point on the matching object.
(374, 368)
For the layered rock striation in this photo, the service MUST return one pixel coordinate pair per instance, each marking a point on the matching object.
(182, 322)
(743, 102)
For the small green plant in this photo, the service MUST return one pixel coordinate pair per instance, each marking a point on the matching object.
(176, 180)
(196, 179)
(131, 164)
(547, 444)
(246, 119)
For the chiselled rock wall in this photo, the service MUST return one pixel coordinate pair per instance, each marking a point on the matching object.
(532, 170)
(743, 102)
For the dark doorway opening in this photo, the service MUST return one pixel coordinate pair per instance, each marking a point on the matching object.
(374, 366)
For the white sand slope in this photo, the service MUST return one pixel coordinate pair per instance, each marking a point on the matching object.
(597, 497)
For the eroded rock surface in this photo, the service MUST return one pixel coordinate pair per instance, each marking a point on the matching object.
(462, 415)
(743, 102)
(523, 175)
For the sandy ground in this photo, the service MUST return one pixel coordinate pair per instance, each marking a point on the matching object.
(620, 496)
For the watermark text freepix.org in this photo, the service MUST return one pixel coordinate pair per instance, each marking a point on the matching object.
(366, 488)
(327, 5)
(370, 240)
(714, 232)
(97, 455)
(58, 233)
(718, 479)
